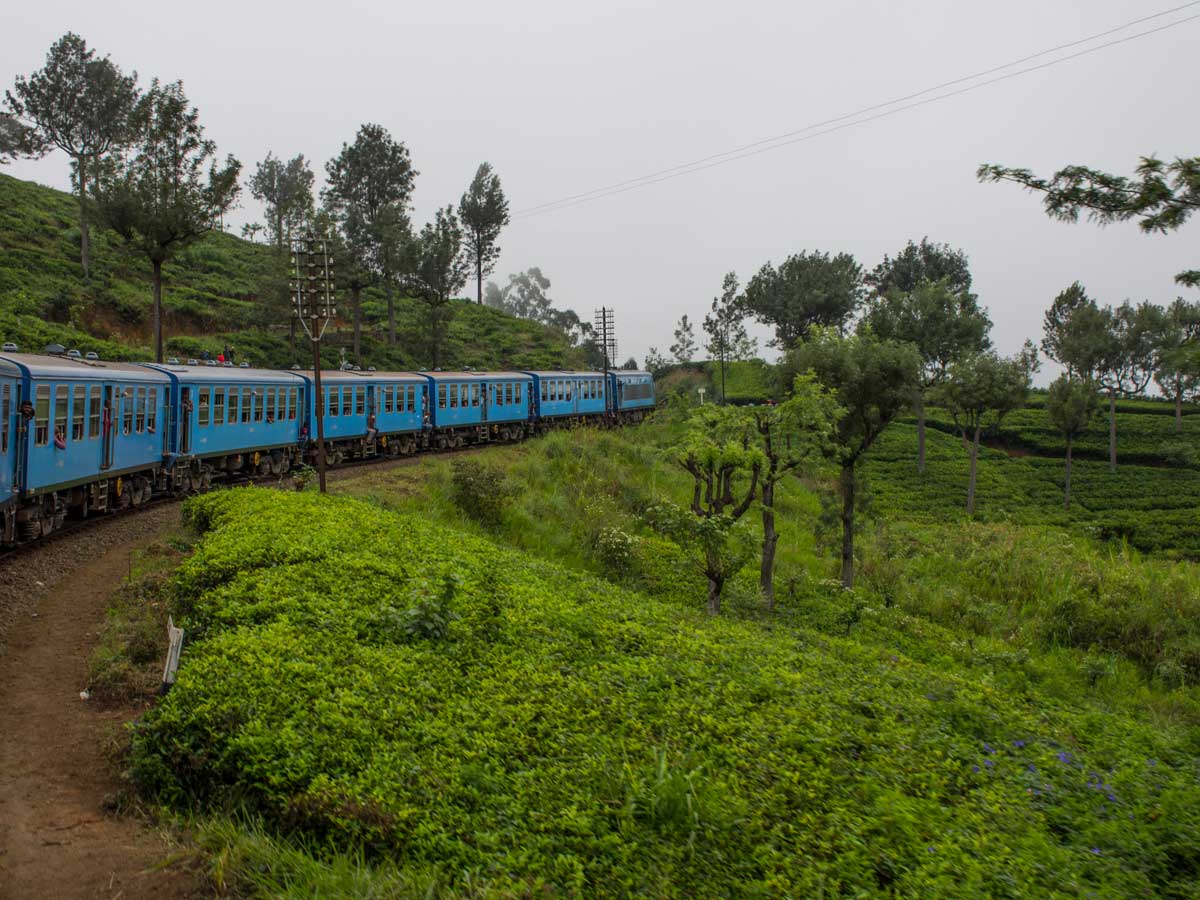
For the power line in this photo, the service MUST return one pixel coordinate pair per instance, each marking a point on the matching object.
(789, 138)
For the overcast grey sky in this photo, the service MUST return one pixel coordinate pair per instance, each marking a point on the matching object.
(564, 97)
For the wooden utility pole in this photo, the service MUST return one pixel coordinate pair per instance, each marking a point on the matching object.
(313, 295)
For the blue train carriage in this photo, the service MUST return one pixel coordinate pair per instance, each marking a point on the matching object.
(88, 436)
(368, 413)
(231, 420)
(10, 390)
(565, 398)
(633, 394)
(475, 407)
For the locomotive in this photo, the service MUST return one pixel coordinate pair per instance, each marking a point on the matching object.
(81, 436)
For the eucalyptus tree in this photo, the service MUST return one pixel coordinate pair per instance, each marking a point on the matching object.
(873, 381)
(1177, 369)
(792, 435)
(942, 319)
(1070, 405)
(80, 104)
(980, 390)
(166, 189)
(483, 211)
(368, 192)
(1128, 358)
(1162, 196)
(437, 271)
(806, 290)
(1075, 331)
(726, 329)
(286, 189)
(684, 347)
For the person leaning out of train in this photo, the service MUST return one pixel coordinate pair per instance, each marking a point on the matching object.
(371, 429)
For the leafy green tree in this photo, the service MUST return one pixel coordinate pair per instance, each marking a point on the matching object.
(166, 190)
(980, 390)
(368, 192)
(630, 365)
(437, 272)
(725, 470)
(286, 189)
(16, 139)
(1162, 196)
(483, 211)
(944, 323)
(1177, 370)
(684, 347)
(1075, 332)
(493, 296)
(1070, 405)
(655, 361)
(919, 264)
(792, 435)
(82, 106)
(1129, 358)
(727, 337)
(873, 381)
(807, 290)
(525, 296)
(251, 231)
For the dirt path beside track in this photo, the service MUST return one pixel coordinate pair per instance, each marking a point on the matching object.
(57, 840)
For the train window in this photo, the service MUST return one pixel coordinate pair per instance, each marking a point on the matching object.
(141, 410)
(41, 425)
(334, 401)
(441, 396)
(292, 403)
(260, 403)
(387, 398)
(61, 399)
(508, 394)
(411, 404)
(453, 396)
(544, 390)
(359, 401)
(94, 412)
(247, 405)
(272, 407)
(218, 406)
(474, 395)
(79, 400)
(152, 411)
(127, 410)
(5, 414)
(202, 413)
(233, 406)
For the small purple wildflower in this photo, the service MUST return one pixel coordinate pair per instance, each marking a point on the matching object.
(1031, 767)
(1096, 850)
(1112, 798)
(1064, 757)
(974, 768)
(989, 763)
(1018, 744)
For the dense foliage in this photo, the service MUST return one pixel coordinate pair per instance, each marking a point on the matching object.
(562, 736)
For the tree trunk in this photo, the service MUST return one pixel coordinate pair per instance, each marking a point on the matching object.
(1112, 430)
(1178, 411)
(479, 280)
(723, 379)
(971, 480)
(158, 311)
(85, 241)
(920, 434)
(356, 299)
(766, 579)
(848, 490)
(1067, 484)
(715, 582)
(391, 302)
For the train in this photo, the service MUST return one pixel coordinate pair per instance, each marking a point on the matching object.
(81, 436)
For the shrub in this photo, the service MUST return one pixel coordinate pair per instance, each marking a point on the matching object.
(480, 490)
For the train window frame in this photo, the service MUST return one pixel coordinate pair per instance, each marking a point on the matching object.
(508, 393)
(454, 396)
(441, 396)
(335, 401)
(259, 399)
(126, 400)
(152, 410)
(231, 406)
(5, 415)
(247, 405)
(62, 410)
(387, 398)
(544, 386)
(41, 416)
(78, 411)
(293, 403)
(204, 407)
(411, 403)
(140, 410)
(218, 406)
(94, 412)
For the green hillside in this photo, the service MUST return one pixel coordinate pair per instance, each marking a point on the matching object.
(221, 292)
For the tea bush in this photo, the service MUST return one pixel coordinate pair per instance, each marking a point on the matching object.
(565, 737)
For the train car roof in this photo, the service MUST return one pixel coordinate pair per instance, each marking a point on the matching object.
(560, 373)
(226, 374)
(74, 367)
(621, 373)
(358, 375)
(468, 376)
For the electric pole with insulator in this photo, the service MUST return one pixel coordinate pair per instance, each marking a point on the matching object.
(312, 294)
(608, 346)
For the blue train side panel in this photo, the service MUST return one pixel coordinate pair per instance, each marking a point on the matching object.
(632, 391)
(395, 399)
(10, 386)
(567, 394)
(477, 399)
(88, 419)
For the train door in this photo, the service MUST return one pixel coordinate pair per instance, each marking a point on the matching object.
(185, 420)
(372, 409)
(108, 422)
(489, 397)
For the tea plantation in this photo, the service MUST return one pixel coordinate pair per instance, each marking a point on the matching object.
(479, 722)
